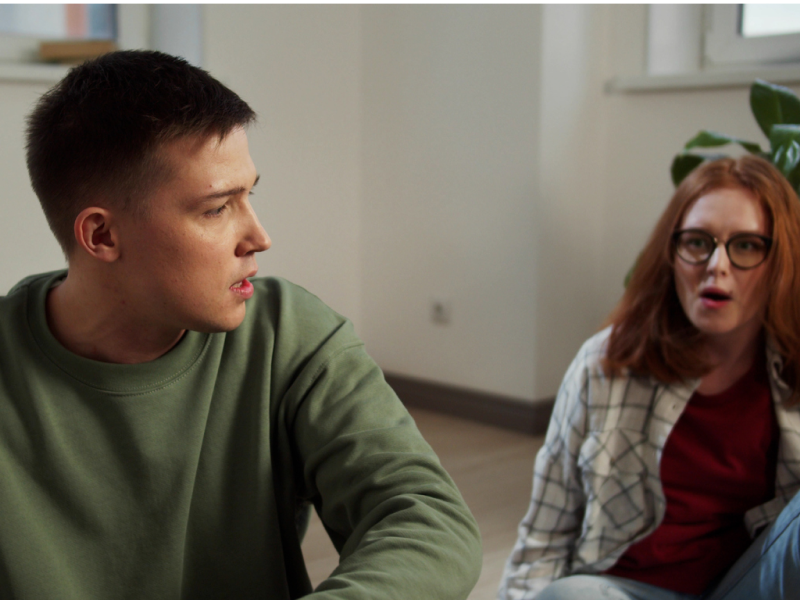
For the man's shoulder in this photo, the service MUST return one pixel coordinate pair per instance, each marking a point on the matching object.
(14, 304)
(31, 281)
(291, 310)
(290, 300)
(16, 308)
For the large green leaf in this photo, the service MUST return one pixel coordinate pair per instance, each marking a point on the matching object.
(785, 142)
(783, 134)
(794, 177)
(682, 165)
(787, 157)
(711, 139)
(773, 105)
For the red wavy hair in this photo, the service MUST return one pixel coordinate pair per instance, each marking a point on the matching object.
(650, 332)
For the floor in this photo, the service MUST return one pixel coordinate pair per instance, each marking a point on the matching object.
(491, 466)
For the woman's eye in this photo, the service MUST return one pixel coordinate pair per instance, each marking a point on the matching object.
(696, 243)
(749, 245)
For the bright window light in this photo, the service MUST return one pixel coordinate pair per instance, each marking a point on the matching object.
(759, 20)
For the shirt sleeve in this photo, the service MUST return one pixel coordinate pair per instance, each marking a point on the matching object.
(397, 519)
(550, 529)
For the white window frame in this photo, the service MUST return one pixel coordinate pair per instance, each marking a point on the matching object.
(725, 47)
(674, 38)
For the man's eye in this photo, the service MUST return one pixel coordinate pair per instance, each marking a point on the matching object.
(216, 211)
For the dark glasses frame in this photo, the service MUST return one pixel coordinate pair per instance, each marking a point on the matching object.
(676, 236)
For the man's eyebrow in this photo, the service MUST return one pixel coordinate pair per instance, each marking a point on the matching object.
(230, 192)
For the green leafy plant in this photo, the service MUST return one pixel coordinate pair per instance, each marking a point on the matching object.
(777, 112)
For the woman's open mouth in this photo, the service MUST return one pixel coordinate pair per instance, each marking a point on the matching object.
(714, 298)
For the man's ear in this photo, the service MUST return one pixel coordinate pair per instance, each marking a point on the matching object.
(97, 234)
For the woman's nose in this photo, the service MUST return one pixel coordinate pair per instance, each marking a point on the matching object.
(719, 261)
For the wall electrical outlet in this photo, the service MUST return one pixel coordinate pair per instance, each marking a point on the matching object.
(441, 311)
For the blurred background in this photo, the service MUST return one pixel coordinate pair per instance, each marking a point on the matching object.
(469, 184)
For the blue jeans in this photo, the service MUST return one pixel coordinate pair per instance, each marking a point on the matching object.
(768, 570)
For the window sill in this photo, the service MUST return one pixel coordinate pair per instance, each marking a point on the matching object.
(704, 80)
(32, 72)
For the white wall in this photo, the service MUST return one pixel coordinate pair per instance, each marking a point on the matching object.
(26, 244)
(299, 68)
(499, 173)
(467, 152)
(571, 177)
(617, 174)
(449, 196)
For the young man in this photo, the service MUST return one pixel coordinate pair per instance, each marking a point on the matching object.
(165, 420)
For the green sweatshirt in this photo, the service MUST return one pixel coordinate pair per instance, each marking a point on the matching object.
(185, 477)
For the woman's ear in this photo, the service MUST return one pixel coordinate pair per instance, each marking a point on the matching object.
(96, 233)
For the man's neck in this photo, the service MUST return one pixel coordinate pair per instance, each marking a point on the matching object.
(90, 321)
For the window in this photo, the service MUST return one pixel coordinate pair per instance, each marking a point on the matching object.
(758, 20)
(23, 26)
(59, 21)
(175, 29)
(750, 34)
(691, 46)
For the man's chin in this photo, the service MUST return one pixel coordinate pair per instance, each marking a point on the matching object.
(219, 326)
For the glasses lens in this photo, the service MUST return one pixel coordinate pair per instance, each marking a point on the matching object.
(746, 250)
(694, 246)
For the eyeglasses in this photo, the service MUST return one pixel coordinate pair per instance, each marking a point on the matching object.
(745, 250)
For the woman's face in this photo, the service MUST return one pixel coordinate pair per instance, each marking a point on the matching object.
(724, 302)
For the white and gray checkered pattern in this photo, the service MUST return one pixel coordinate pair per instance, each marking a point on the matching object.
(596, 486)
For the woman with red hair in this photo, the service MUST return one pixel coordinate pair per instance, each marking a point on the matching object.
(671, 466)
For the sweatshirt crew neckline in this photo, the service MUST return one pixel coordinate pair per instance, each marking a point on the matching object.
(113, 378)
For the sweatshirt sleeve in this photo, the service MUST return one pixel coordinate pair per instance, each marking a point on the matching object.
(397, 519)
(549, 530)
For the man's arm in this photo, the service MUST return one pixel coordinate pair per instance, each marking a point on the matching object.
(400, 525)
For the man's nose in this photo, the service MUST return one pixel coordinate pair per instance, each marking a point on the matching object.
(254, 238)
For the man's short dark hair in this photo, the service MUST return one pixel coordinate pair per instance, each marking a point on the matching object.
(94, 137)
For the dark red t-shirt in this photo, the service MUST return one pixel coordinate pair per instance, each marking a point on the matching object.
(718, 463)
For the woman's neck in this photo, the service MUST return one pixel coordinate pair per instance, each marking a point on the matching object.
(732, 358)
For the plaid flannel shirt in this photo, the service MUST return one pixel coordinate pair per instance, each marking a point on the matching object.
(596, 485)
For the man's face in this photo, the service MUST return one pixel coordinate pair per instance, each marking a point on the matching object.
(184, 264)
